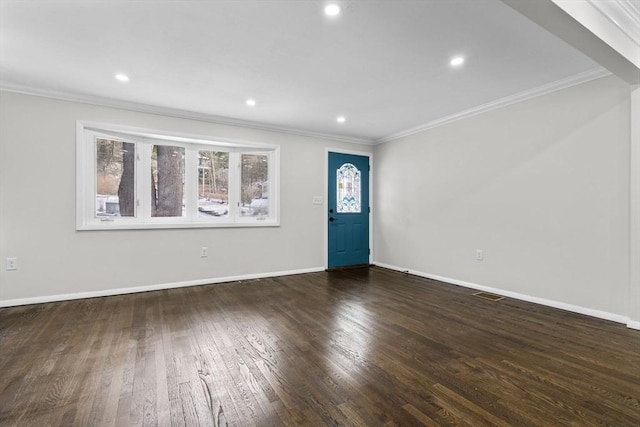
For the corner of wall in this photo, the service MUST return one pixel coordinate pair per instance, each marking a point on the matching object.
(634, 214)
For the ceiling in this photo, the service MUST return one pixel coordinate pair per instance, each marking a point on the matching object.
(383, 65)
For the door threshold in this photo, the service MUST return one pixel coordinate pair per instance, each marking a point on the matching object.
(348, 267)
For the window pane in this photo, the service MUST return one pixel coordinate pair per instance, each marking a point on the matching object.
(213, 183)
(115, 178)
(255, 185)
(167, 181)
(348, 191)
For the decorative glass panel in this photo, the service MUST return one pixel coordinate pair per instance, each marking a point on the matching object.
(348, 191)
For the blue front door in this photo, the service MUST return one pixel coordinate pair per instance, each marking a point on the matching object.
(348, 210)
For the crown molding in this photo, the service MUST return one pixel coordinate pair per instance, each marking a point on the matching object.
(624, 14)
(173, 112)
(503, 102)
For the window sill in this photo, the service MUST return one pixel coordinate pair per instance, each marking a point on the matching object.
(108, 225)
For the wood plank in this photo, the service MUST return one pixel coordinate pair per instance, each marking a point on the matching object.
(361, 347)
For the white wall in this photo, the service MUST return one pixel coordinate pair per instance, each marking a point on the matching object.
(541, 186)
(37, 210)
(634, 249)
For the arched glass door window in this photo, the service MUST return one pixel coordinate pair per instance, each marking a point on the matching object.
(348, 189)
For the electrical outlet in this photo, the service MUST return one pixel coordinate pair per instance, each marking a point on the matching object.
(204, 252)
(479, 254)
(12, 263)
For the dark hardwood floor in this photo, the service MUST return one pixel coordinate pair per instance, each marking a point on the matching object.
(367, 347)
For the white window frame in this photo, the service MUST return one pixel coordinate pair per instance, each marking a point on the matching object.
(86, 218)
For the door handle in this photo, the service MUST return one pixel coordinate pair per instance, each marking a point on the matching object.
(331, 219)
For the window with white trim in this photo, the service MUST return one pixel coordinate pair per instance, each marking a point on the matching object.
(136, 178)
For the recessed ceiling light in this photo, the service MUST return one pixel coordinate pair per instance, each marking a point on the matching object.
(251, 102)
(332, 9)
(457, 61)
(341, 119)
(122, 77)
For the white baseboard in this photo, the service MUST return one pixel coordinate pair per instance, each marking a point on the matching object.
(633, 324)
(550, 303)
(147, 288)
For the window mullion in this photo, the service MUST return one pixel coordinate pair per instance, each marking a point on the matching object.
(191, 182)
(234, 189)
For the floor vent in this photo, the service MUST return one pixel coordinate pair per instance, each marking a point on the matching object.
(488, 296)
